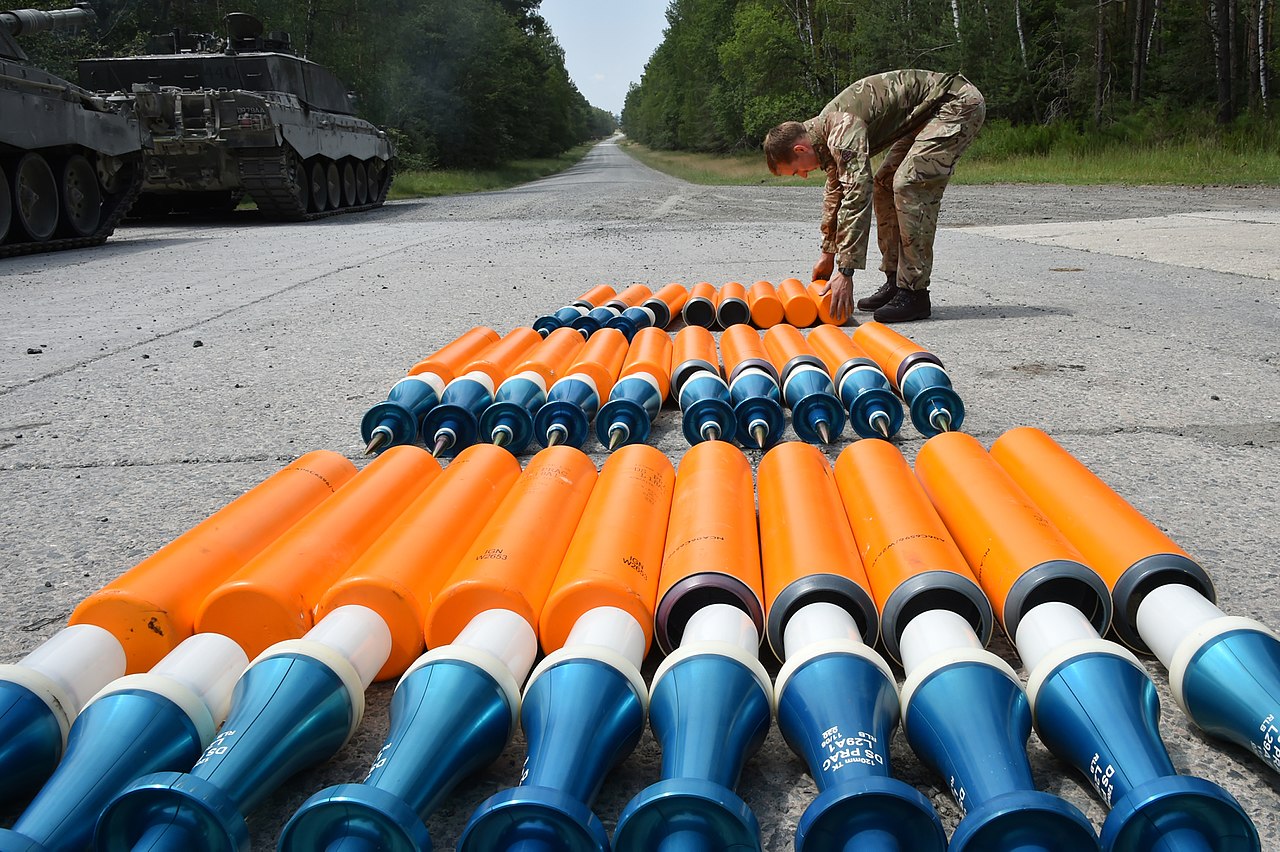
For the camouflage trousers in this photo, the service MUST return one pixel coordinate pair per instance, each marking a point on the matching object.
(910, 182)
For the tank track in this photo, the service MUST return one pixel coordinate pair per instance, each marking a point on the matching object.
(113, 212)
(265, 178)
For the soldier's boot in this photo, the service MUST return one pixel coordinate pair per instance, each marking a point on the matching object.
(881, 297)
(905, 306)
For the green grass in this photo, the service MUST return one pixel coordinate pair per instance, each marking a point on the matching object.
(426, 184)
(1004, 154)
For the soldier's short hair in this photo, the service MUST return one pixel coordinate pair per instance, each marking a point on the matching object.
(778, 142)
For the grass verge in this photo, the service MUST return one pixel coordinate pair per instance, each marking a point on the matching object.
(426, 184)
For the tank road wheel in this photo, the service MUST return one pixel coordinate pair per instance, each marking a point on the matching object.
(333, 182)
(319, 188)
(299, 180)
(81, 198)
(377, 174)
(6, 205)
(35, 196)
(362, 183)
(349, 198)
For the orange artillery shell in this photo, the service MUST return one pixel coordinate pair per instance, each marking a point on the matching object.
(445, 363)
(732, 308)
(151, 608)
(1018, 557)
(496, 361)
(1132, 554)
(700, 307)
(552, 357)
(712, 549)
(399, 575)
(601, 359)
(809, 554)
(766, 307)
(695, 349)
(894, 353)
(823, 304)
(788, 349)
(616, 554)
(632, 296)
(834, 347)
(799, 308)
(273, 597)
(650, 353)
(674, 295)
(597, 295)
(741, 347)
(910, 559)
(513, 562)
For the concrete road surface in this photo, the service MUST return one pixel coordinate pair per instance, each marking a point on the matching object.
(146, 383)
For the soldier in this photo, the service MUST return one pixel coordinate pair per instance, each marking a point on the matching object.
(926, 120)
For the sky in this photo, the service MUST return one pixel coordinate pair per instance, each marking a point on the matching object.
(606, 43)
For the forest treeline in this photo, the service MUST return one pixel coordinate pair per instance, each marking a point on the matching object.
(727, 70)
(459, 83)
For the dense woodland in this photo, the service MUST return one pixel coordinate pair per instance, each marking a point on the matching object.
(460, 83)
(728, 70)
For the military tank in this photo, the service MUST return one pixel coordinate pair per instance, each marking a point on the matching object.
(245, 114)
(70, 161)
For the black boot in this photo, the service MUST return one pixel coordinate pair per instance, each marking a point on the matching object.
(905, 306)
(881, 297)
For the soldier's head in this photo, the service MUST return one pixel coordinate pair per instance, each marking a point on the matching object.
(789, 151)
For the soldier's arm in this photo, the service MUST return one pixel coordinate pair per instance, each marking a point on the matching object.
(849, 147)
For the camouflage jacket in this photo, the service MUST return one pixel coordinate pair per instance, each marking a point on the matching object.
(862, 121)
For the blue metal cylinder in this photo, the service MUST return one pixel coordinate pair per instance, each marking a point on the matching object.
(449, 718)
(634, 403)
(709, 712)
(512, 410)
(812, 400)
(704, 401)
(581, 717)
(546, 324)
(838, 712)
(458, 413)
(630, 321)
(407, 403)
(571, 404)
(970, 722)
(288, 712)
(869, 398)
(927, 389)
(116, 739)
(1231, 688)
(30, 741)
(591, 322)
(1099, 712)
(757, 401)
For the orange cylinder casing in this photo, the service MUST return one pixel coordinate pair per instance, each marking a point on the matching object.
(905, 547)
(513, 562)
(741, 343)
(823, 304)
(1131, 553)
(552, 357)
(785, 343)
(400, 574)
(633, 295)
(886, 347)
(601, 359)
(834, 347)
(675, 295)
(273, 597)
(702, 290)
(151, 608)
(695, 343)
(1017, 555)
(650, 353)
(496, 361)
(797, 305)
(598, 295)
(616, 553)
(766, 307)
(446, 362)
(712, 541)
(806, 547)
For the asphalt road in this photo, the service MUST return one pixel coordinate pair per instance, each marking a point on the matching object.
(148, 382)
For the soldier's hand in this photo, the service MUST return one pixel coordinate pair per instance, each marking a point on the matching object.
(840, 287)
(822, 269)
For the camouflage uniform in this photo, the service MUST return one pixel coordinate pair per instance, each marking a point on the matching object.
(926, 120)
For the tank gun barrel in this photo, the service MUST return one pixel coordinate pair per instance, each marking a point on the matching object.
(24, 21)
